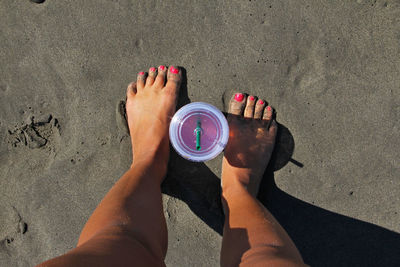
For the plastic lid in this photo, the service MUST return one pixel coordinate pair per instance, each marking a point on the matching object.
(199, 131)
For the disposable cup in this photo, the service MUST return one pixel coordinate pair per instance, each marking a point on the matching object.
(199, 131)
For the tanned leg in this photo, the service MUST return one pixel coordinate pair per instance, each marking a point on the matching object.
(128, 227)
(252, 236)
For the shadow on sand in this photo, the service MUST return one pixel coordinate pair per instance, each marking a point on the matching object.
(324, 238)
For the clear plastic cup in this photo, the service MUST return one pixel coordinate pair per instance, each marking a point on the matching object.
(199, 131)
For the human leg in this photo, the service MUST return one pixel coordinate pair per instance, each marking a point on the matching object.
(252, 236)
(128, 227)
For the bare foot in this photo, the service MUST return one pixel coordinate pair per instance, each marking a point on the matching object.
(150, 105)
(252, 132)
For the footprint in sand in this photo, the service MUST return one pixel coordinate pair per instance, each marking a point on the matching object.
(37, 133)
(121, 118)
(13, 225)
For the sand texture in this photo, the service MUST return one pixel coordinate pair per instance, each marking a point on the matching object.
(330, 68)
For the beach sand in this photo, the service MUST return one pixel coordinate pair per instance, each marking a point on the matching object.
(331, 69)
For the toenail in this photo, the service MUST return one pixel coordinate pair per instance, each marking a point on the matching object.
(152, 69)
(173, 70)
(162, 67)
(261, 102)
(269, 108)
(239, 97)
(141, 73)
(251, 98)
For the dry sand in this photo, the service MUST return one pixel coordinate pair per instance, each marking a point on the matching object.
(330, 68)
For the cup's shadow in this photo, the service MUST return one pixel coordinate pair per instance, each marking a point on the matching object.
(324, 238)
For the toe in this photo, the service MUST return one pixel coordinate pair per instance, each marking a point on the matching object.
(174, 78)
(131, 90)
(268, 112)
(152, 75)
(141, 78)
(160, 79)
(237, 103)
(258, 112)
(249, 109)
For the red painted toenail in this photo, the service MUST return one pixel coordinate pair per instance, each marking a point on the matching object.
(261, 102)
(251, 98)
(269, 108)
(173, 69)
(152, 69)
(162, 67)
(239, 97)
(141, 73)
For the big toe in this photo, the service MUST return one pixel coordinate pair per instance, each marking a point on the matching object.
(236, 106)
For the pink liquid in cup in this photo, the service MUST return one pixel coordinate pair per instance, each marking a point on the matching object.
(211, 125)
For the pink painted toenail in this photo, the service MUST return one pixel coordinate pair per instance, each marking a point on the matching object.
(162, 67)
(269, 108)
(152, 69)
(261, 102)
(251, 98)
(239, 97)
(141, 73)
(173, 69)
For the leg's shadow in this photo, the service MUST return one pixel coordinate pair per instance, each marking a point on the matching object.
(324, 238)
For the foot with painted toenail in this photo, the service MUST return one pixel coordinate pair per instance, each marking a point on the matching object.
(151, 103)
(251, 141)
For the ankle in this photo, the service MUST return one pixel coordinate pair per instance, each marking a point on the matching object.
(150, 148)
(232, 186)
(151, 163)
(233, 176)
